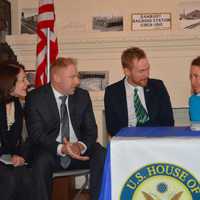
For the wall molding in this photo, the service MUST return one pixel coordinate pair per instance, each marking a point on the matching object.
(106, 45)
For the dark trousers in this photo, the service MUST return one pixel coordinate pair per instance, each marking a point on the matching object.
(15, 183)
(45, 164)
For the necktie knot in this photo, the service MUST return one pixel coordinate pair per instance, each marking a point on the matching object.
(63, 98)
(135, 91)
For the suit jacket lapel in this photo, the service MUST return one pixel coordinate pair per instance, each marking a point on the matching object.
(71, 106)
(3, 123)
(123, 102)
(149, 100)
(72, 111)
(52, 102)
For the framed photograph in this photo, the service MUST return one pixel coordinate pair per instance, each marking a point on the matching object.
(29, 20)
(5, 19)
(107, 23)
(189, 15)
(150, 21)
(93, 80)
(31, 78)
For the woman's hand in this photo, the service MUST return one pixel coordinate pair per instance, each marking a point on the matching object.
(17, 160)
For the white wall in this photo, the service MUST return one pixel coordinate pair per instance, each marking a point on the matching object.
(170, 52)
(77, 15)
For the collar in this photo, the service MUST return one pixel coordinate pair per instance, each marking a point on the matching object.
(56, 93)
(127, 84)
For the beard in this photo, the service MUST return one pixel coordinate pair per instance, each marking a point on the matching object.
(142, 83)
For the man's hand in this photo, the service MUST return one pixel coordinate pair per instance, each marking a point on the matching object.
(17, 160)
(73, 150)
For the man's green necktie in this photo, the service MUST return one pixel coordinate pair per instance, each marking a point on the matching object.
(140, 112)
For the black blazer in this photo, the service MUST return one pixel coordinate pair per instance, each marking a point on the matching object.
(11, 140)
(157, 101)
(43, 120)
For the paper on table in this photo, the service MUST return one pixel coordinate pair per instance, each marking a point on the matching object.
(6, 159)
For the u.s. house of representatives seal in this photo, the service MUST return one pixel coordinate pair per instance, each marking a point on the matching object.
(161, 181)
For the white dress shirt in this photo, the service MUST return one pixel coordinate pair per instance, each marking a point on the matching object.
(132, 120)
(72, 134)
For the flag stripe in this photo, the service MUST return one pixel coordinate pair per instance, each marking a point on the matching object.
(48, 16)
(46, 8)
(46, 19)
(45, 2)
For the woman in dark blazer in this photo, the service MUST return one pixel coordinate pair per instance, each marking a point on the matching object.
(13, 86)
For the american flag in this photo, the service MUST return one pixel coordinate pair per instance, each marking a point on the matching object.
(46, 19)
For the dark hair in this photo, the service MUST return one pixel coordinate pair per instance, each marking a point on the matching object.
(63, 62)
(196, 61)
(129, 54)
(13, 63)
(8, 79)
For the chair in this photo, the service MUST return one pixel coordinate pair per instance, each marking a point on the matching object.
(77, 172)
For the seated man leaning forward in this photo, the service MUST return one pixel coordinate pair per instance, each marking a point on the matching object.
(61, 123)
(136, 100)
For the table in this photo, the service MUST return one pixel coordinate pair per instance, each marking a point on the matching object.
(152, 163)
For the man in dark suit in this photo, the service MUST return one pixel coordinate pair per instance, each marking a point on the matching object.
(136, 100)
(61, 123)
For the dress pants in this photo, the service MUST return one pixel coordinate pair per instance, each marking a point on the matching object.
(15, 182)
(45, 164)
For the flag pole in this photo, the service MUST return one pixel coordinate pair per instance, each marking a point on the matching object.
(48, 55)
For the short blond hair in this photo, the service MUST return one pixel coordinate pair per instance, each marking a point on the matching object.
(62, 62)
(130, 54)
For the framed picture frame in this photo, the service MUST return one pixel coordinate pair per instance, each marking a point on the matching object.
(29, 20)
(93, 80)
(151, 21)
(31, 78)
(189, 15)
(5, 19)
(107, 23)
